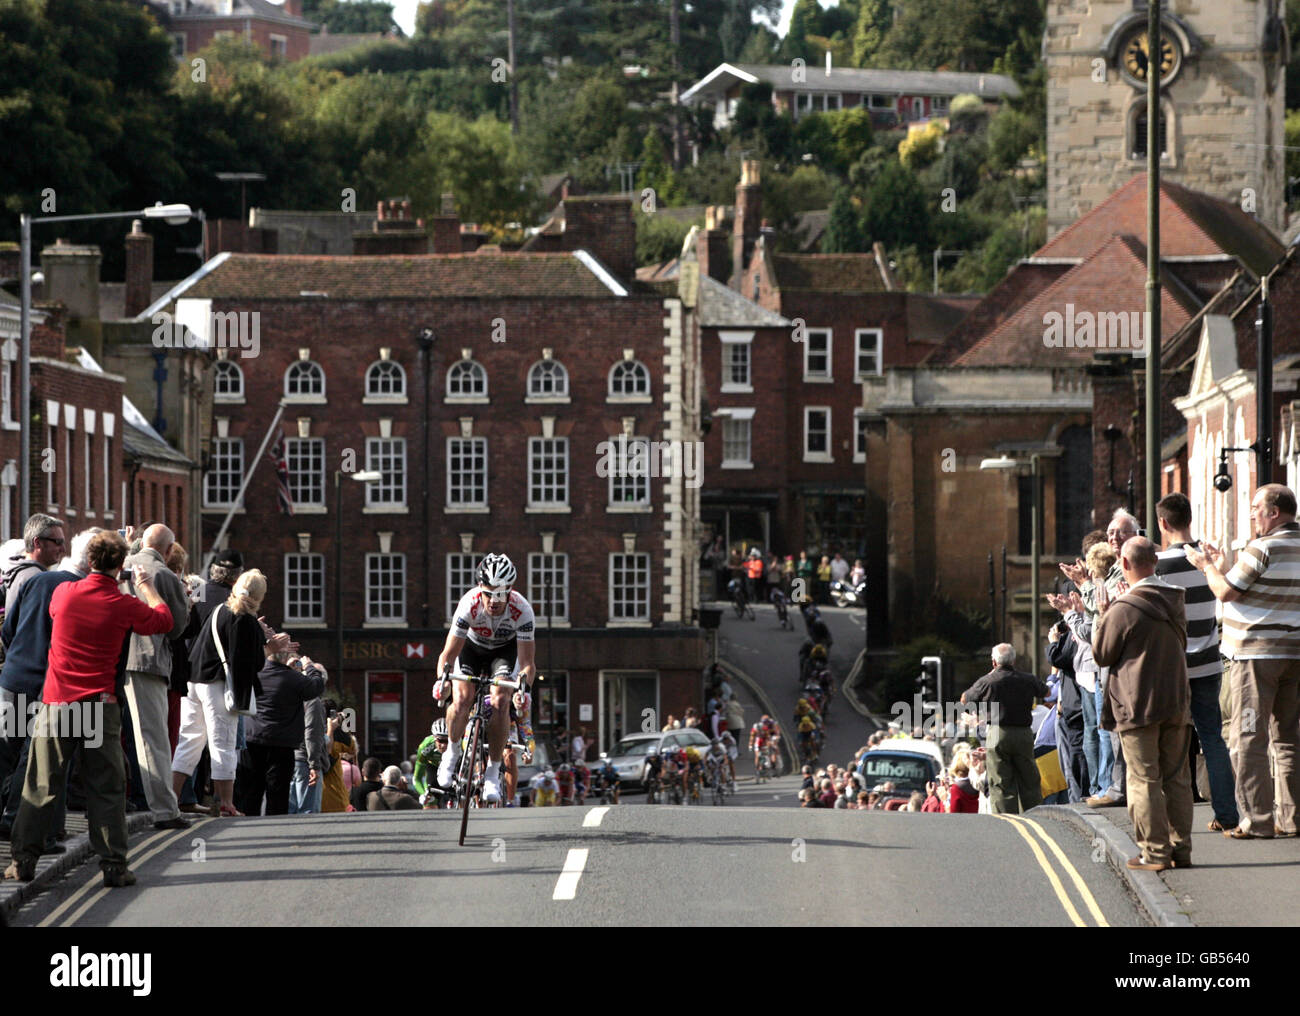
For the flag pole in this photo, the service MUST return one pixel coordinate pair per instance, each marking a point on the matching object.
(266, 440)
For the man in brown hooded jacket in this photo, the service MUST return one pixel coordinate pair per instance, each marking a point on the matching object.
(1142, 637)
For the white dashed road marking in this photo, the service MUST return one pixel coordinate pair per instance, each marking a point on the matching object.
(567, 886)
(594, 816)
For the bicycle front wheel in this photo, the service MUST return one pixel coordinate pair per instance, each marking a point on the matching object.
(468, 764)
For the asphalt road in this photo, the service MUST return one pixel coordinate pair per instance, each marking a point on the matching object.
(770, 656)
(653, 865)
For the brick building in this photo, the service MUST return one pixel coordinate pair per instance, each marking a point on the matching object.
(1078, 407)
(76, 435)
(489, 390)
(277, 29)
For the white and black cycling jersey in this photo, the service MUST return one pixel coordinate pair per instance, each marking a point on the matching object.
(472, 621)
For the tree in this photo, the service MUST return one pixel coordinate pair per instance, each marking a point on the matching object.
(480, 163)
(805, 21)
(875, 18)
(896, 210)
(345, 16)
(844, 233)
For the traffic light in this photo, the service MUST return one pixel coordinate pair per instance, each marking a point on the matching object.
(930, 680)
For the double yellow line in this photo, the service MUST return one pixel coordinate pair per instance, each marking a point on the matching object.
(1019, 822)
(138, 860)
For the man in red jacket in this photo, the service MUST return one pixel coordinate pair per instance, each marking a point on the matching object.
(79, 709)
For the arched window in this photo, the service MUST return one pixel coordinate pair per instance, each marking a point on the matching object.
(466, 379)
(1138, 138)
(385, 379)
(1073, 489)
(227, 380)
(304, 379)
(629, 378)
(548, 379)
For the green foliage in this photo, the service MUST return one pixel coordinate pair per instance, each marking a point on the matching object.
(920, 148)
(480, 163)
(1292, 141)
(343, 16)
(786, 195)
(1012, 136)
(844, 233)
(875, 18)
(959, 35)
(659, 238)
(896, 209)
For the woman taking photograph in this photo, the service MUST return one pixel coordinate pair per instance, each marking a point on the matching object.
(204, 717)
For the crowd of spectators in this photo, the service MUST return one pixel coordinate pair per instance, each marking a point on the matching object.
(763, 574)
(187, 701)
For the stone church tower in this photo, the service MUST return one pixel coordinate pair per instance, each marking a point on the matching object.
(1223, 68)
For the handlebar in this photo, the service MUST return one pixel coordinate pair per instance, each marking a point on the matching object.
(495, 682)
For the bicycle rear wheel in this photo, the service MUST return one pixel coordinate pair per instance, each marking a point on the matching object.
(470, 764)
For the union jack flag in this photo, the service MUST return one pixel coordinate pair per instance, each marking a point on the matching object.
(276, 455)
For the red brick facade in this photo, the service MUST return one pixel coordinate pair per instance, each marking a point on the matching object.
(507, 336)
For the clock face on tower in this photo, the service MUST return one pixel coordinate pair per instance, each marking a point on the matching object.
(1135, 56)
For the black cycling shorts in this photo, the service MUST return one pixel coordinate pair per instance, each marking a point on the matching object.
(500, 662)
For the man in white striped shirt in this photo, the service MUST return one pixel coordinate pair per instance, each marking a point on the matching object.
(1261, 635)
(1204, 667)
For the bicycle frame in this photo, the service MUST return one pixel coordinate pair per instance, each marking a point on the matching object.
(468, 783)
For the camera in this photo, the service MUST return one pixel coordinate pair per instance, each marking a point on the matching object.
(1222, 482)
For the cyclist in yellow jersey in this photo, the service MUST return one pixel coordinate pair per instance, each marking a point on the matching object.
(694, 763)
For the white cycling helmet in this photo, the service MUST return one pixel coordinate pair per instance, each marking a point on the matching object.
(439, 728)
(496, 572)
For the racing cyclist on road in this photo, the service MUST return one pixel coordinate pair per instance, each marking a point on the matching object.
(492, 632)
(760, 734)
(715, 761)
(427, 759)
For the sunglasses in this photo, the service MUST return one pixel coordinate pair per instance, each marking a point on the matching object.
(51, 539)
(497, 597)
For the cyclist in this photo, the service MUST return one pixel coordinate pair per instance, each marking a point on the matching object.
(807, 736)
(782, 605)
(759, 736)
(545, 789)
(729, 746)
(736, 590)
(564, 777)
(581, 780)
(818, 635)
(715, 760)
(692, 768)
(672, 766)
(491, 632)
(654, 766)
(608, 777)
(427, 757)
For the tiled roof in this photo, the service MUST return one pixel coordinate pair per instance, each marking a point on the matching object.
(1023, 282)
(827, 273)
(425, 276)
(852, 79)
(1191, 224)
(145, 445)
(722, 307)
(1111, 280)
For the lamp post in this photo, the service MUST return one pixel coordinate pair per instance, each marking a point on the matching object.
(366, 476)
(1036, 540)
(174, 215)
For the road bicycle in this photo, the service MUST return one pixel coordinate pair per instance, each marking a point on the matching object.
(718, 784)
(782, 609)
(740, 602)
(467, 786)
(765, 770)
(607, 789)
(652, 790)
(693, 788)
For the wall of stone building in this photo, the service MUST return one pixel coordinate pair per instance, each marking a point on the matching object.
(1226, 109)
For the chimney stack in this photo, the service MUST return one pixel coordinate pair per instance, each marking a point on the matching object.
(395, 232)
(446, 228)
(603, 226)
(72, 279)
(711, 246)
(749, 218)
(139, 270)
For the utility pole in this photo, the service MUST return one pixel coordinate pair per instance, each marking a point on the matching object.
(675, 40)
(1152, 336)
(514, 86)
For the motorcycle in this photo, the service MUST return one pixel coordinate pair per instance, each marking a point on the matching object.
(846, 595)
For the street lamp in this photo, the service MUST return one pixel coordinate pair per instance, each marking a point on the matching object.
(1036, 550)
(365, 476)
(174, 215)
